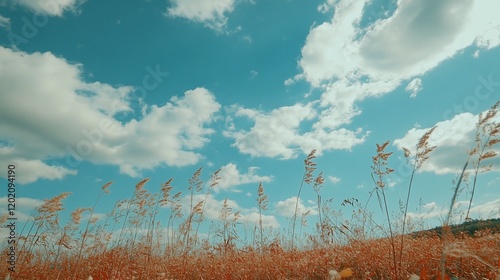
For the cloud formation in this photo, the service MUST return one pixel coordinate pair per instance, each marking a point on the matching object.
(486, 210)
(278, 133)
(231, 177)
(211, 13)
(50, 7)
(68, 120)
(414, 39)
(287, 207)
(453, 138)
(351, 62)
(414, 87)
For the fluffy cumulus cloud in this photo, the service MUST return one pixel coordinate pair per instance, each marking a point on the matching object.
(50, 7)
(273, 133)
(278, 133)
(231, 177)
(68, 120)
(211, 13)
(453, 138)
(287, 207)
(352, 62)
(414, 39)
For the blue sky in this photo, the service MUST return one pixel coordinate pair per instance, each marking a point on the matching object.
(98, 91)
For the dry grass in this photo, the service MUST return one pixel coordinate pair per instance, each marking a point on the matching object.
(147, 247)
(468, 258)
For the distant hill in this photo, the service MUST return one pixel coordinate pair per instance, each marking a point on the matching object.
(469, 227)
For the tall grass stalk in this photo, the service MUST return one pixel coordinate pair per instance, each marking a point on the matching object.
(130, 202)
(262, 202)
(195, 185)
(322, 227)
(380, 170)
(162, 199)
(104, 190)
(422, 154)
(447, 221)
(214, 181)
(485, 128)
(307, 178)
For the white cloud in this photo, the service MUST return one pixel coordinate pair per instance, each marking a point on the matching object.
(21, 216)
(326, 7)
(25, 207)
(287, 207)
(33, 170)
(248, 38)
(453, 139)
(254, 74)
(278, 133)
(231, 177)
(268, 221)
(352, 62)
(51, 7)
(211, 13)
(414, 87)
(334, 180)
(67, 118)
(4, 22)
(417, 37)
(430, 205)
(486, 210)
(273, 133)
(330, 50)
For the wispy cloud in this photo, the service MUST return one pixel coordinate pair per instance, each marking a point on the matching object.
(51, 7)
(4, 22)
(212, 14)
(414, 87)
(334, 180)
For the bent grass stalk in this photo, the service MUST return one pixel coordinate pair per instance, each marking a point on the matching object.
(422, 154)
(307, 178)
(104, 190)
(262, 202)
(485, 128)
(380, 170)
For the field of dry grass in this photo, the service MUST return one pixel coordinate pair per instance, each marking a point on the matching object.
(468, 258)
(132, 242)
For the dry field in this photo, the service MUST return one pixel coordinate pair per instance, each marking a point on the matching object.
(133, 242)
